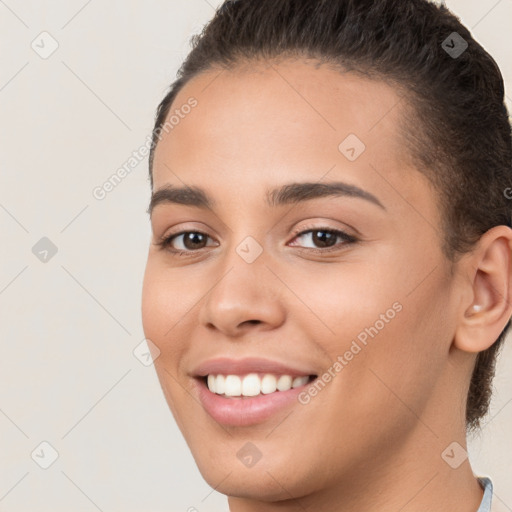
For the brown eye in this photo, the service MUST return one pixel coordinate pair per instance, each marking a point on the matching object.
(325, 238)
(194, 240)
(187, 241)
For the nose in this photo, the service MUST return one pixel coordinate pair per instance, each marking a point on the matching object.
(243, 296)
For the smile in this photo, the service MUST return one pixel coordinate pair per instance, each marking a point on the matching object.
(253, 384)
(249, 391)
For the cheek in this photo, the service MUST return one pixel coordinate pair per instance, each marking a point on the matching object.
(163, 298)
(161, 311)
(164, 313)
(385, 320)
(345, 303)
(403, 355)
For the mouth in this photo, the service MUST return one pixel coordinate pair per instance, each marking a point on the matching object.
(250, 391)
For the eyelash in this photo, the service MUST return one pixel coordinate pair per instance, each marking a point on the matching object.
(165, 243)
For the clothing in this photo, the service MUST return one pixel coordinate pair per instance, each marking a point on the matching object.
(489, 504)
(485, 505)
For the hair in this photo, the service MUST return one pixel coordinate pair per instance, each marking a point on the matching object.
(456, 125)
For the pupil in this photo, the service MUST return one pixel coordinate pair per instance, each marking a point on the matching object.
(194, 238)
(320, 240)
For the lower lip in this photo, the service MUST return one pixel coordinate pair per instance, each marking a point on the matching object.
(245, 411)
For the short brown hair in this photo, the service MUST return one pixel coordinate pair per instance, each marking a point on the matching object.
(458, 132)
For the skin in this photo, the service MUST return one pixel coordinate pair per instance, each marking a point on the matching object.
(372, 439)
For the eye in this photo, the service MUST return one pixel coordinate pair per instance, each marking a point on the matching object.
(190, 241)
(325, 239)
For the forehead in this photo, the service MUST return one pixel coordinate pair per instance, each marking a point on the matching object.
(271, 121)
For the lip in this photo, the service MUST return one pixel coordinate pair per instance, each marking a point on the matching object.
(246, 411)
(227, 366)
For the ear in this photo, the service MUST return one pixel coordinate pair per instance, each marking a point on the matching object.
(488, 304)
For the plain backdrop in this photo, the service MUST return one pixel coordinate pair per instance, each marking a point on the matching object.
(72, 265)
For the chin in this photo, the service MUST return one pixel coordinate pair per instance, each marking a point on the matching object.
(274, 477)
(254, 483)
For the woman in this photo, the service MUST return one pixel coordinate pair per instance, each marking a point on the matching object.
(329, 279)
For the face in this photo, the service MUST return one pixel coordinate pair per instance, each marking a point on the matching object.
(346, 296)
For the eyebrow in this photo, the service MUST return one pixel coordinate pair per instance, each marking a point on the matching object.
(291, 193)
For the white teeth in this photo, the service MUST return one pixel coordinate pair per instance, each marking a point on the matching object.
(211, 383)
(232, 386)
(252, 385)
(268, 384)
(298, 381)
(284, 383)
(220, 384)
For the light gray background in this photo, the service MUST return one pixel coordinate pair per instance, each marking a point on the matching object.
(69, 326)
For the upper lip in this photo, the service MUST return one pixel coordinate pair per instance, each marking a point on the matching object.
(229, 366)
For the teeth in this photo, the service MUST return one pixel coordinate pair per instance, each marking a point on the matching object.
(211, 383)
(299, 381)
(284, 383)
(268, 384)
(233, 385)
(220, 384)
(252, 384)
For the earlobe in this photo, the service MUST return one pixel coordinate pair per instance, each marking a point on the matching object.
(490, 281)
